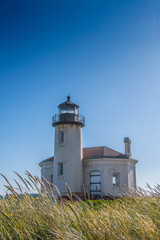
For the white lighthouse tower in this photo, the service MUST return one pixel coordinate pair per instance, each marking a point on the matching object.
(67, 167)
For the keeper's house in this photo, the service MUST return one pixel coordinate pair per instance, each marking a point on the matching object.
(101, 170)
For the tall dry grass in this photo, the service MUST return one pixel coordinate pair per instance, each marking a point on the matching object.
(22, 216)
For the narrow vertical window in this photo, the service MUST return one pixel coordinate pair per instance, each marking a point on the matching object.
(60, 169)
(51, 178)
(115, 180)
(61, 137)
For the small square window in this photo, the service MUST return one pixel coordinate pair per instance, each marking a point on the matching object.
(60, 169)
(61, 137)
(115, 179)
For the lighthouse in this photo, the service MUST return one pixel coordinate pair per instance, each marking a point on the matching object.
(68, 154)
(101, 170)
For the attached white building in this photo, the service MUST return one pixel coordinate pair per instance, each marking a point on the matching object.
(101, 170)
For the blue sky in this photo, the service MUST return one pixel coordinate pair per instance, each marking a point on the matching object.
(105, 54)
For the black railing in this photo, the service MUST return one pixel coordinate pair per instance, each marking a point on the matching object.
(68, 118)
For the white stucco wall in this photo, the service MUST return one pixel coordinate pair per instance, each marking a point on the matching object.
(108, 166)
(46, 170)
(70, 154)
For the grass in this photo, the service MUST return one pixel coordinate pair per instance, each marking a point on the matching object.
(23, 216)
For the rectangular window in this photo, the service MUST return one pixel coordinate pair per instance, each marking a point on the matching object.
(51, 178)
(115, 179)
(60, 169)
(61, 137)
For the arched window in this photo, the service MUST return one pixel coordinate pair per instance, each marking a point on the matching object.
(116, 179)
(95, 183)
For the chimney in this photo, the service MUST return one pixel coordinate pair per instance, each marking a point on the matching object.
(127, 142)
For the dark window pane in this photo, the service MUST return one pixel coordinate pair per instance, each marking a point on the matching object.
(60, 169)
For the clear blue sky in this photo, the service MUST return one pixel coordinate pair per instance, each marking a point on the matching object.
(104, 53)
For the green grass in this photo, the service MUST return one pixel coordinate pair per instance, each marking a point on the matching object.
(27, 217)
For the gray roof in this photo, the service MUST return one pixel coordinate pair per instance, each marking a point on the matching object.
(68, 102)
(51, 159)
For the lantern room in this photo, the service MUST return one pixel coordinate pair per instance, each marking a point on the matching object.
(68, 114)
(68, 107)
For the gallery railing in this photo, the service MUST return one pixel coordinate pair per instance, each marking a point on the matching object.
(68, 118)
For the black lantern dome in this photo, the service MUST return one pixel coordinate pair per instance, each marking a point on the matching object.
(68, 114)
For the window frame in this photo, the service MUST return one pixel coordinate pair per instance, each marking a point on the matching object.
(116, 179)
(60, 169)
(60, 137)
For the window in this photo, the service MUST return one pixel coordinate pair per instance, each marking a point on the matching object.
(95, 183)
(60, 169)
(67, 109)
(71, 109)
(51, 178)
(63, 110)
(115, 179)
(76, 110)
(61, 137)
